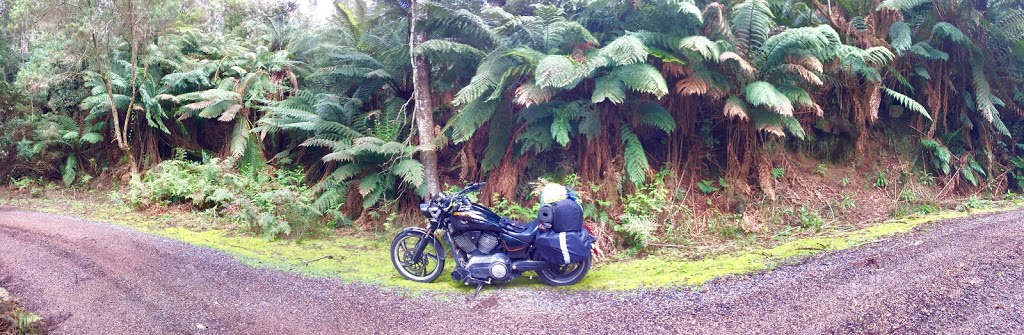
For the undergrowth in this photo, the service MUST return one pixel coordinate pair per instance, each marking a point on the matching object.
(14, 319)
(275, 204)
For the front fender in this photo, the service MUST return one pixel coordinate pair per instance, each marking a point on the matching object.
(424, 232)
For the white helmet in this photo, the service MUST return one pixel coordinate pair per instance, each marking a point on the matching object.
(553, 192)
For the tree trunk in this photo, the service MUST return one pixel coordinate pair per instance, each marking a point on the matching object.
(424, 107)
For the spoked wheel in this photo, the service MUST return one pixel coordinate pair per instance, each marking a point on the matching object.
(565, 274)
(429, 266)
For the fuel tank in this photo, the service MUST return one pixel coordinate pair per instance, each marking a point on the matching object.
(476, 217)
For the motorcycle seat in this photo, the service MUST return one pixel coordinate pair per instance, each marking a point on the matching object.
(525, 232)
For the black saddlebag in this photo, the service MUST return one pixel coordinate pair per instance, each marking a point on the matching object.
(564, 247)
(562, 216)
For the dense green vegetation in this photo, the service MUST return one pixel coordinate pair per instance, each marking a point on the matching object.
(676, 119)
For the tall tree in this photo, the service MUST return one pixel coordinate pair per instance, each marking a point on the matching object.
(424, 112)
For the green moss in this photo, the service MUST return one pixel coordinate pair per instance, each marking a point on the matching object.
(366, 259)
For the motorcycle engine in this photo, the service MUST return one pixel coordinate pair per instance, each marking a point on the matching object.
(476, 242)
(482, 265)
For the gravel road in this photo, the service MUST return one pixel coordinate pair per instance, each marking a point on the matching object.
(960, 276)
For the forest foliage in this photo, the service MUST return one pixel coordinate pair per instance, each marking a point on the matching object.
(253, 108)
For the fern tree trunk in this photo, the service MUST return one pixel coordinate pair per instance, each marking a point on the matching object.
(423, 112)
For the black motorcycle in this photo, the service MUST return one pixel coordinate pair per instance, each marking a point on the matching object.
(490, 249)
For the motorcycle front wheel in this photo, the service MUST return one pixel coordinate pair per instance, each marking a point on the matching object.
(430, 265)
(564, 275)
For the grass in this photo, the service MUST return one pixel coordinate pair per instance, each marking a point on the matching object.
(363, 258)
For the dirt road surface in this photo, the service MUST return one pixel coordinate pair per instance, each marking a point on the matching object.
(963, 276)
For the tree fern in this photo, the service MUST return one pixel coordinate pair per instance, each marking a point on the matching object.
(635, 156)
(906, 101)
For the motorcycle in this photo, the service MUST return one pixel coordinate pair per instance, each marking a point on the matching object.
(489, 249)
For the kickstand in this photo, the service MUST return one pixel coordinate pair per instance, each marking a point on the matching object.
(479, 286)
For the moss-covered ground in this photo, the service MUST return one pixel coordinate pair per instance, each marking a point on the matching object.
(363, 257)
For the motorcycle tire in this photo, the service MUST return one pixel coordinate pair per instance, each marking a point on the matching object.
(402, 252)
(565, 275)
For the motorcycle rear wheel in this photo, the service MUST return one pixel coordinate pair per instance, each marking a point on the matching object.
(565, 275)
(430, 265)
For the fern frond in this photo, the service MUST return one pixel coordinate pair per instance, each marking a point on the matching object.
(983, 93)
(950, 32)
(821, 40)
(557, 71)
(438, 50)
(899, 37)
(470, 118)
(878, 56)
(530, 93)
(625, 50)
(239, 137)
(410, 170)
(926, 50)
(906, 101)
(803, 73)
(634, 155)
(751, 22)
(747, 69)
(700, 45)
(608, 88)
(642, 77)
(653, 114)
(735, 108)
(901, 4)
(766, 95)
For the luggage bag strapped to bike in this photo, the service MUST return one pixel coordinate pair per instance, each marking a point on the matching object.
(566, 242)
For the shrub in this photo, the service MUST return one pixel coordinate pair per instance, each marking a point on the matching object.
(276, 205)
